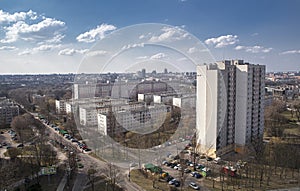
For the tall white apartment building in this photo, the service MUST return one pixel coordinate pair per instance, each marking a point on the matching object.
(230, 106)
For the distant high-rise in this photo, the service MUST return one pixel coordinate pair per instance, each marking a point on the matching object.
(230, 106)
(143, 73)
(165, 70)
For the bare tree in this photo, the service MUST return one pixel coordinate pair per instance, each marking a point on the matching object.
(113, 173)
(21, 125)
(91, 176)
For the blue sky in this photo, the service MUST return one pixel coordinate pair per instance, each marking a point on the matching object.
(53, 36)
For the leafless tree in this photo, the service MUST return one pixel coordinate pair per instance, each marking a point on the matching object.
(113, 173)
(22, 126)
(91, 176)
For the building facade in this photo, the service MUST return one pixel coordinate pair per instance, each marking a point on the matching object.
(8, 110)
(230, 106)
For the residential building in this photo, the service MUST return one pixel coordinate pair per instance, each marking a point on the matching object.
(60, 106)
(230, 106)
(8, 110)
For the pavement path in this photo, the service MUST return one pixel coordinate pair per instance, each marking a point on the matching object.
(62, 183)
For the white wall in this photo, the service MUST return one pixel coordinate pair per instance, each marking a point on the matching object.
(206, 108)
(241, 104)
(102, 124)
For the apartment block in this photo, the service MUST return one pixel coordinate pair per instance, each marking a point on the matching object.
(8, 110)
(230, 106)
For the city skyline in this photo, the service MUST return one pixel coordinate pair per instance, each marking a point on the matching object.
(43, 37)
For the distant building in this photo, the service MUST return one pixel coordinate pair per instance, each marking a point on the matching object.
(8, 110)
(143, 74)
(139, 119)
(60, 106)
(230, 106)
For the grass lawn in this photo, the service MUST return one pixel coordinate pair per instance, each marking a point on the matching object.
(101, 184)
(146, 183)
(288, 115)
(48, 183)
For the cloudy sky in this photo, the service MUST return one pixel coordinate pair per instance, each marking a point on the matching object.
(53, 36)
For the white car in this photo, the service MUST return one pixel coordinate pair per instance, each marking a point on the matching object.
(194, 186)
(177, 167)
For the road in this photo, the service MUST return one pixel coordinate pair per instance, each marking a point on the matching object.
(89, 161)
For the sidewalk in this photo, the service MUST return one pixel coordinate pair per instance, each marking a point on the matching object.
(62, 183)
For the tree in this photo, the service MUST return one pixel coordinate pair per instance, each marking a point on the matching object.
(13, 153)
(296, 106)
(113, 174)
(21, 125)
(91, 176)
(70, 125)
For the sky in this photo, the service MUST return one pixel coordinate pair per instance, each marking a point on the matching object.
(55, 36)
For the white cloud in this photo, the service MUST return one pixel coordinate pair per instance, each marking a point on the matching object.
(222, 41)
(98, 33)
(158, 56)
(71, 51)
(46, 29)
(25, 52)
(41, 48)
(8, 48)
(254, 49)
(56, 39)
(290, 52)
(169, 34)
(254, 34)
(132, 46)
(6, 17)
(46, 47)
(97, 53)
(192, 50)
(142, 57)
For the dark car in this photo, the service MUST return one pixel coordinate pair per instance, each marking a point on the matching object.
(177, 183)
(87, 149)
(20, 145)
(169, 178)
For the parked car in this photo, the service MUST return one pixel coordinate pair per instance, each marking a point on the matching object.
(194, 186)
(74, 140)
(165, 163)
(80, 165)
(87, 149)
(169, 178)
(187, 170)
(8, 147)
(196, 174)
(20, 145)
(217, 160)
(177, 183)
(177, 167)
(171, 182)
(200, 166)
